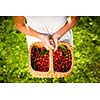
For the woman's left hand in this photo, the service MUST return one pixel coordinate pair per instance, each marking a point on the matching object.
(55, 39)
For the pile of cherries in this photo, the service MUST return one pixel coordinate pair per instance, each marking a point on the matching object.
(40, 59)
(62, 59)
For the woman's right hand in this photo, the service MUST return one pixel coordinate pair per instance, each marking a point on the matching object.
(46, 42)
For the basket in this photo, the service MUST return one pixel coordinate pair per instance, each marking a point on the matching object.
(50, 73)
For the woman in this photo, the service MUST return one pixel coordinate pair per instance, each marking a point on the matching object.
(39, 28)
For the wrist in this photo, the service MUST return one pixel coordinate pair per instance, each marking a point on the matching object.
(41, 36)
(57, 35)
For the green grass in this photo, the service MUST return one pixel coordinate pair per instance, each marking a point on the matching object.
(14, 54)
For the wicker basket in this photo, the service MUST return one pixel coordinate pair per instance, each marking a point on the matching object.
(51, 73)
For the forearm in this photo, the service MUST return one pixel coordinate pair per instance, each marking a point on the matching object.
(25, 29)
(68, 25)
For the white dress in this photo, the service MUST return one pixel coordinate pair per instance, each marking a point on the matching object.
(47, 25)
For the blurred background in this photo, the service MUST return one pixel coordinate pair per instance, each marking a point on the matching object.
(14, 53)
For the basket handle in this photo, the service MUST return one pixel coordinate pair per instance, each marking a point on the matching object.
(51, 69)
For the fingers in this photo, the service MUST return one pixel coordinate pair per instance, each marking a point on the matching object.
(56, 44)
(52, 42)
(55, 39)
(48, 45)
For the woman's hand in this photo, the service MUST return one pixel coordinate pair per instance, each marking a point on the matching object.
(45, 39)
(55, 40)
(70, 23)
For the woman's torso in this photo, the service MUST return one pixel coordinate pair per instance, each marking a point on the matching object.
(46, 24)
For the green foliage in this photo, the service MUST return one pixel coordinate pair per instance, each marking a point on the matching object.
(14, 53)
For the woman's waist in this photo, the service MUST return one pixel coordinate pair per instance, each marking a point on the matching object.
(47, 27)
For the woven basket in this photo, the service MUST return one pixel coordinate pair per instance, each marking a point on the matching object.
(51, 73)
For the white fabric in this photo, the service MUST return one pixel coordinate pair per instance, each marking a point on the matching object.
(47, 25)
